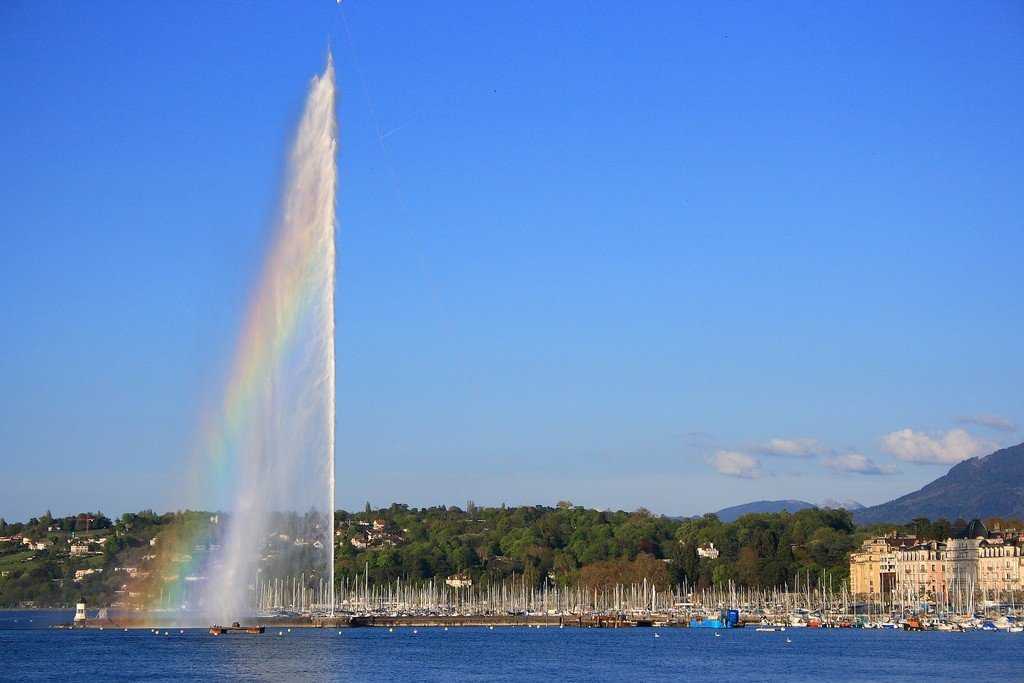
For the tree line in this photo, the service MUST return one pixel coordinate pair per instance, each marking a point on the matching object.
(564, 544)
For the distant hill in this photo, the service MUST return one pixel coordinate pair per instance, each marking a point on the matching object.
(731, 514)
(986, 486)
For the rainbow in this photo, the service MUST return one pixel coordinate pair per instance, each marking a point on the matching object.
(277, 402)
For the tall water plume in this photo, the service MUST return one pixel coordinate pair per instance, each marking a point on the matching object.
(272, 442)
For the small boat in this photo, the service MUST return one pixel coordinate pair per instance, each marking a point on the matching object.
(765, 629)
(913, 624)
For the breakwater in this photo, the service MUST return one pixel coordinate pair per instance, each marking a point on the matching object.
(390, 621)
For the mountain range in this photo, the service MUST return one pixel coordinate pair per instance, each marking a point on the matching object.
(731, 514)
(985, 486)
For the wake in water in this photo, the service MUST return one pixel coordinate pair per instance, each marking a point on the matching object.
(275, 437)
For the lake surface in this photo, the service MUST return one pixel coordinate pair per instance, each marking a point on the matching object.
(31, 651)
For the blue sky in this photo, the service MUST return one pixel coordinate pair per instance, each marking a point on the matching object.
(678, 256)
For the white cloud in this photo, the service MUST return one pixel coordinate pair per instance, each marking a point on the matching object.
(856, 463)
(792, 448)
(951, 447)
(990, 421)
(735, 464)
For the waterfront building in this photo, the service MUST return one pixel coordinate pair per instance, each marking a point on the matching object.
(920, 569)
(999, 565)
(873, 567)
(961, 557)
(974, 559)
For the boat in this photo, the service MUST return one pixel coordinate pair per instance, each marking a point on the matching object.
(730, 619)
(216, 630)
(765, 629)
(913, 624)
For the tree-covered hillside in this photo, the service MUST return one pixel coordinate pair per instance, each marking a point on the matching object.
(48, 561)
(571, 545)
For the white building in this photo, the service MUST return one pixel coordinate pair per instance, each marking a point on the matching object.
(82, 573)
(459, 581)
(708, 551)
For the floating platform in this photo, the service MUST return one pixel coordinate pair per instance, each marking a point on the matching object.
(216, 630)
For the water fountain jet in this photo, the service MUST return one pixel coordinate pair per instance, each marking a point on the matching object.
(274, 433)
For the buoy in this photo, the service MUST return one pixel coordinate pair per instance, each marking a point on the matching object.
(445, 628)
(788, 640)
(181, 631)
(391, 630)
(280, 633)
(657, 635)
(289, 630)
(491, 627)
(717, 634)
(415, 631)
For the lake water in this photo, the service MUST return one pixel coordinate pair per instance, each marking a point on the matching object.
(30, 651)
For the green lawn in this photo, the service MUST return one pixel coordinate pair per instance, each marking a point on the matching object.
(92, 561)
(15, 560)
